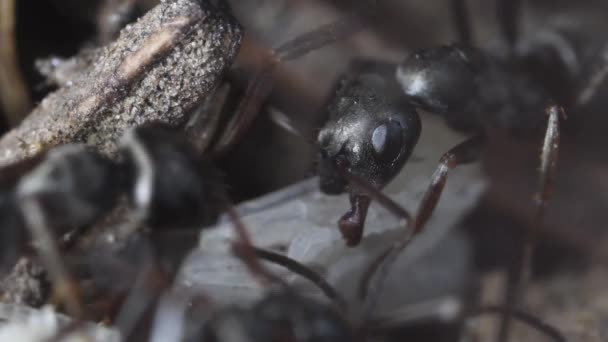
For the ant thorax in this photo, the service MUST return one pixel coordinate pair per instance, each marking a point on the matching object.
(474, 91)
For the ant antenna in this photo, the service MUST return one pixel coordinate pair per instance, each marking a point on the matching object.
(261, 84)
(251, 256)
(299, 269)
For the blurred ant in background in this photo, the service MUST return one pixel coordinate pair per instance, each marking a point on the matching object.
(167, 184)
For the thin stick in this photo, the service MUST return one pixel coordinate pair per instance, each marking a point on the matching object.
(14, 97)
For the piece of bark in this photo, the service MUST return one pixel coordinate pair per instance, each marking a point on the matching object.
(158, 70)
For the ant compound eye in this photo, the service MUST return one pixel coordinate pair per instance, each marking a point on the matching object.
(387, 140)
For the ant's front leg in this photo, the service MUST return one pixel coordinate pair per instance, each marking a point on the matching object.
(464, 153)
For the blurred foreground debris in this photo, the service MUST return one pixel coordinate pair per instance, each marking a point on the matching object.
(22, 324)
(159, 69)
(14, 96)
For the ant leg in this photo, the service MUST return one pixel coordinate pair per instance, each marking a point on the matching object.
(245, 251)
(462, 21)
(203, 123)
(299, 269)
(65, 287)
(251, 256)
(463, 153)
(508, 13)
(523, 268)
(522, 316)
(593, 80)
(261, 84)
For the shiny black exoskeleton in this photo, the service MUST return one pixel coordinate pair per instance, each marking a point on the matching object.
(279, 316)
(474, 91)
(373, 117)
(167, 182)
(370, 133)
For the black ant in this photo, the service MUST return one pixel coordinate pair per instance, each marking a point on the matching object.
(374, 121)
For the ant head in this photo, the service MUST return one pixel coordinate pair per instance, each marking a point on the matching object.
(441, 79)
(370, 134)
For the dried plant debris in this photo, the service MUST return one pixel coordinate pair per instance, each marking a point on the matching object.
(158, 70)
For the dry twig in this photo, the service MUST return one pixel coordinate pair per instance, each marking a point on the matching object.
(14, 97)
(158, 70)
